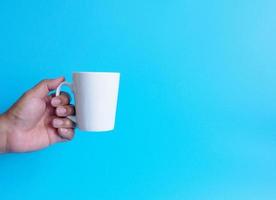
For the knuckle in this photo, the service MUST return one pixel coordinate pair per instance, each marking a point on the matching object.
(61, 132)
(44, 81)
(27, 93)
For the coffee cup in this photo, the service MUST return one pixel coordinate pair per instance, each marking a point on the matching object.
(95, 95)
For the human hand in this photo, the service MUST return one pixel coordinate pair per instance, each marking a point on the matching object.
(37, 119)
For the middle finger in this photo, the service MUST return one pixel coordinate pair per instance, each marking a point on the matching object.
(63, 111)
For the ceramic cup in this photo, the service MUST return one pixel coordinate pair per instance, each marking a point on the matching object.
(95, 96)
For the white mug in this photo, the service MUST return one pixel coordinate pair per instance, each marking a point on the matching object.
(95, 96)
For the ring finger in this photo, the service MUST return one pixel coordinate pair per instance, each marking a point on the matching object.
(62, 123)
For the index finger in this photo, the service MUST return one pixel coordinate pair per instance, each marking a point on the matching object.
(61, 100)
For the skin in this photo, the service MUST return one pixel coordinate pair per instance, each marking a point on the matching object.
(37, 120)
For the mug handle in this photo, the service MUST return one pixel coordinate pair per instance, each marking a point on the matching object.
(70, 85)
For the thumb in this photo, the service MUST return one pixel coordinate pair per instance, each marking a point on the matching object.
(45, 86)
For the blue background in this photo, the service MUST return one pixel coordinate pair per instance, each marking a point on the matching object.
(197, 104)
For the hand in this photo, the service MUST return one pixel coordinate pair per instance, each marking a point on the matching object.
(37, 119)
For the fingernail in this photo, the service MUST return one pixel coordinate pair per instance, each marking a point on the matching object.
(57, 122)
(56, 101)
(61, 110)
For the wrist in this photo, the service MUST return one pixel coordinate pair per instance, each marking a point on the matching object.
(3, 134)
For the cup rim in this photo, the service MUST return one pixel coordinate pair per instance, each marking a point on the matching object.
(86, 72)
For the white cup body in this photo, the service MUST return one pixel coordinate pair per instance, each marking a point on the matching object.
(95, 96)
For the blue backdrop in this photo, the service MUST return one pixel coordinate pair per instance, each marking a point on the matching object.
(197, 104)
